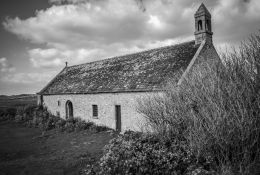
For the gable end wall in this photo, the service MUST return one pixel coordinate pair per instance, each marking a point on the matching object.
(205, 54)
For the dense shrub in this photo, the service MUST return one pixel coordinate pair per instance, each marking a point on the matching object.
(24, 113)
(69, 127)
(60, 124)
(135, 153)
(11, 112)
(216, 109)
(29, 109)
(5, 117)
(2, 112)
(98, 128)
(51, 122)
(82, 125)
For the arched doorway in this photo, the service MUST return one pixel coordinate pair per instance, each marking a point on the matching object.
(69, 109)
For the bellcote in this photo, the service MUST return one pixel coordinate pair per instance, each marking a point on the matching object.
(203, 30)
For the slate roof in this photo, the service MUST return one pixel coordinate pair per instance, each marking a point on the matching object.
(144, 71)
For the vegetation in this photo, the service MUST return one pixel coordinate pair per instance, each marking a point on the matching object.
(208, 125)
(15, 101)
(136, 153)
(48, 144)
(27, 151)
(216, 110)
(33, 116)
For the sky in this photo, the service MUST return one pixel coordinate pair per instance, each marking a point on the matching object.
(39, 36)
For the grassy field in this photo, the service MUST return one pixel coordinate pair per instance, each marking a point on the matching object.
(26, 151)
(17, 100)
(30, 151)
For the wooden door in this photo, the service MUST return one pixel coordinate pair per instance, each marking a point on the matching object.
(118, 118)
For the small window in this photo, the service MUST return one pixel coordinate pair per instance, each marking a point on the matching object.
(199, 25)
(58, 103)
(95, 111)
(57, 113)
(208, 25)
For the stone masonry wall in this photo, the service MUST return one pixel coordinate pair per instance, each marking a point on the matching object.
(82, 107)
(207, 57)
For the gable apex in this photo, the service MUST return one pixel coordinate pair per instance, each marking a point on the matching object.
(202, 10)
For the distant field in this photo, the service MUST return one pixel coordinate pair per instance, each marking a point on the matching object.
(17, 100)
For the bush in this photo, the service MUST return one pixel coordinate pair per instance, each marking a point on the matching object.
(80, 125)
(101, 128)
(51, 122)
(89, 125)
(69, 127)
(29, 109)
(5, 117)
(11, 112)
(60, 124)
(98, 128)
(216, 109)
(25, 114)
(134, 153)
(42, 118)
(2, 113)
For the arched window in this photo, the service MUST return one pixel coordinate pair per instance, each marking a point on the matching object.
(69, 109)
(199, 25)
(208, 25)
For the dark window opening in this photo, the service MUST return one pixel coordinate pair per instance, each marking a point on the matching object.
(57, 113)
(58, 103)
(199, 25)
(95, 111)
(208, 25)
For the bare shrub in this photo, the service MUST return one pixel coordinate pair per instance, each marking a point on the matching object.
(216, 109)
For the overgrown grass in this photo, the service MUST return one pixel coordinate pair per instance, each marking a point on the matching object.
(216, 110)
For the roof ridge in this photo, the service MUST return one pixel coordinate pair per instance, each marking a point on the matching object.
(111, 58)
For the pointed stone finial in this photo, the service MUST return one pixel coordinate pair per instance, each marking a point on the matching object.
(66, 64)
(202, 10)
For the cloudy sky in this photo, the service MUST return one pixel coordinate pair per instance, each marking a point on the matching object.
(39, 36)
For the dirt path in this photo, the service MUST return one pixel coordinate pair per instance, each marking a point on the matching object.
(24, 150)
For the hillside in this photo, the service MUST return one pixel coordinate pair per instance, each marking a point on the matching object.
(17, 100)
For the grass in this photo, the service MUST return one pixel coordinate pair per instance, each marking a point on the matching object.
(51, 153)
(15, 101)
(33, 141)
